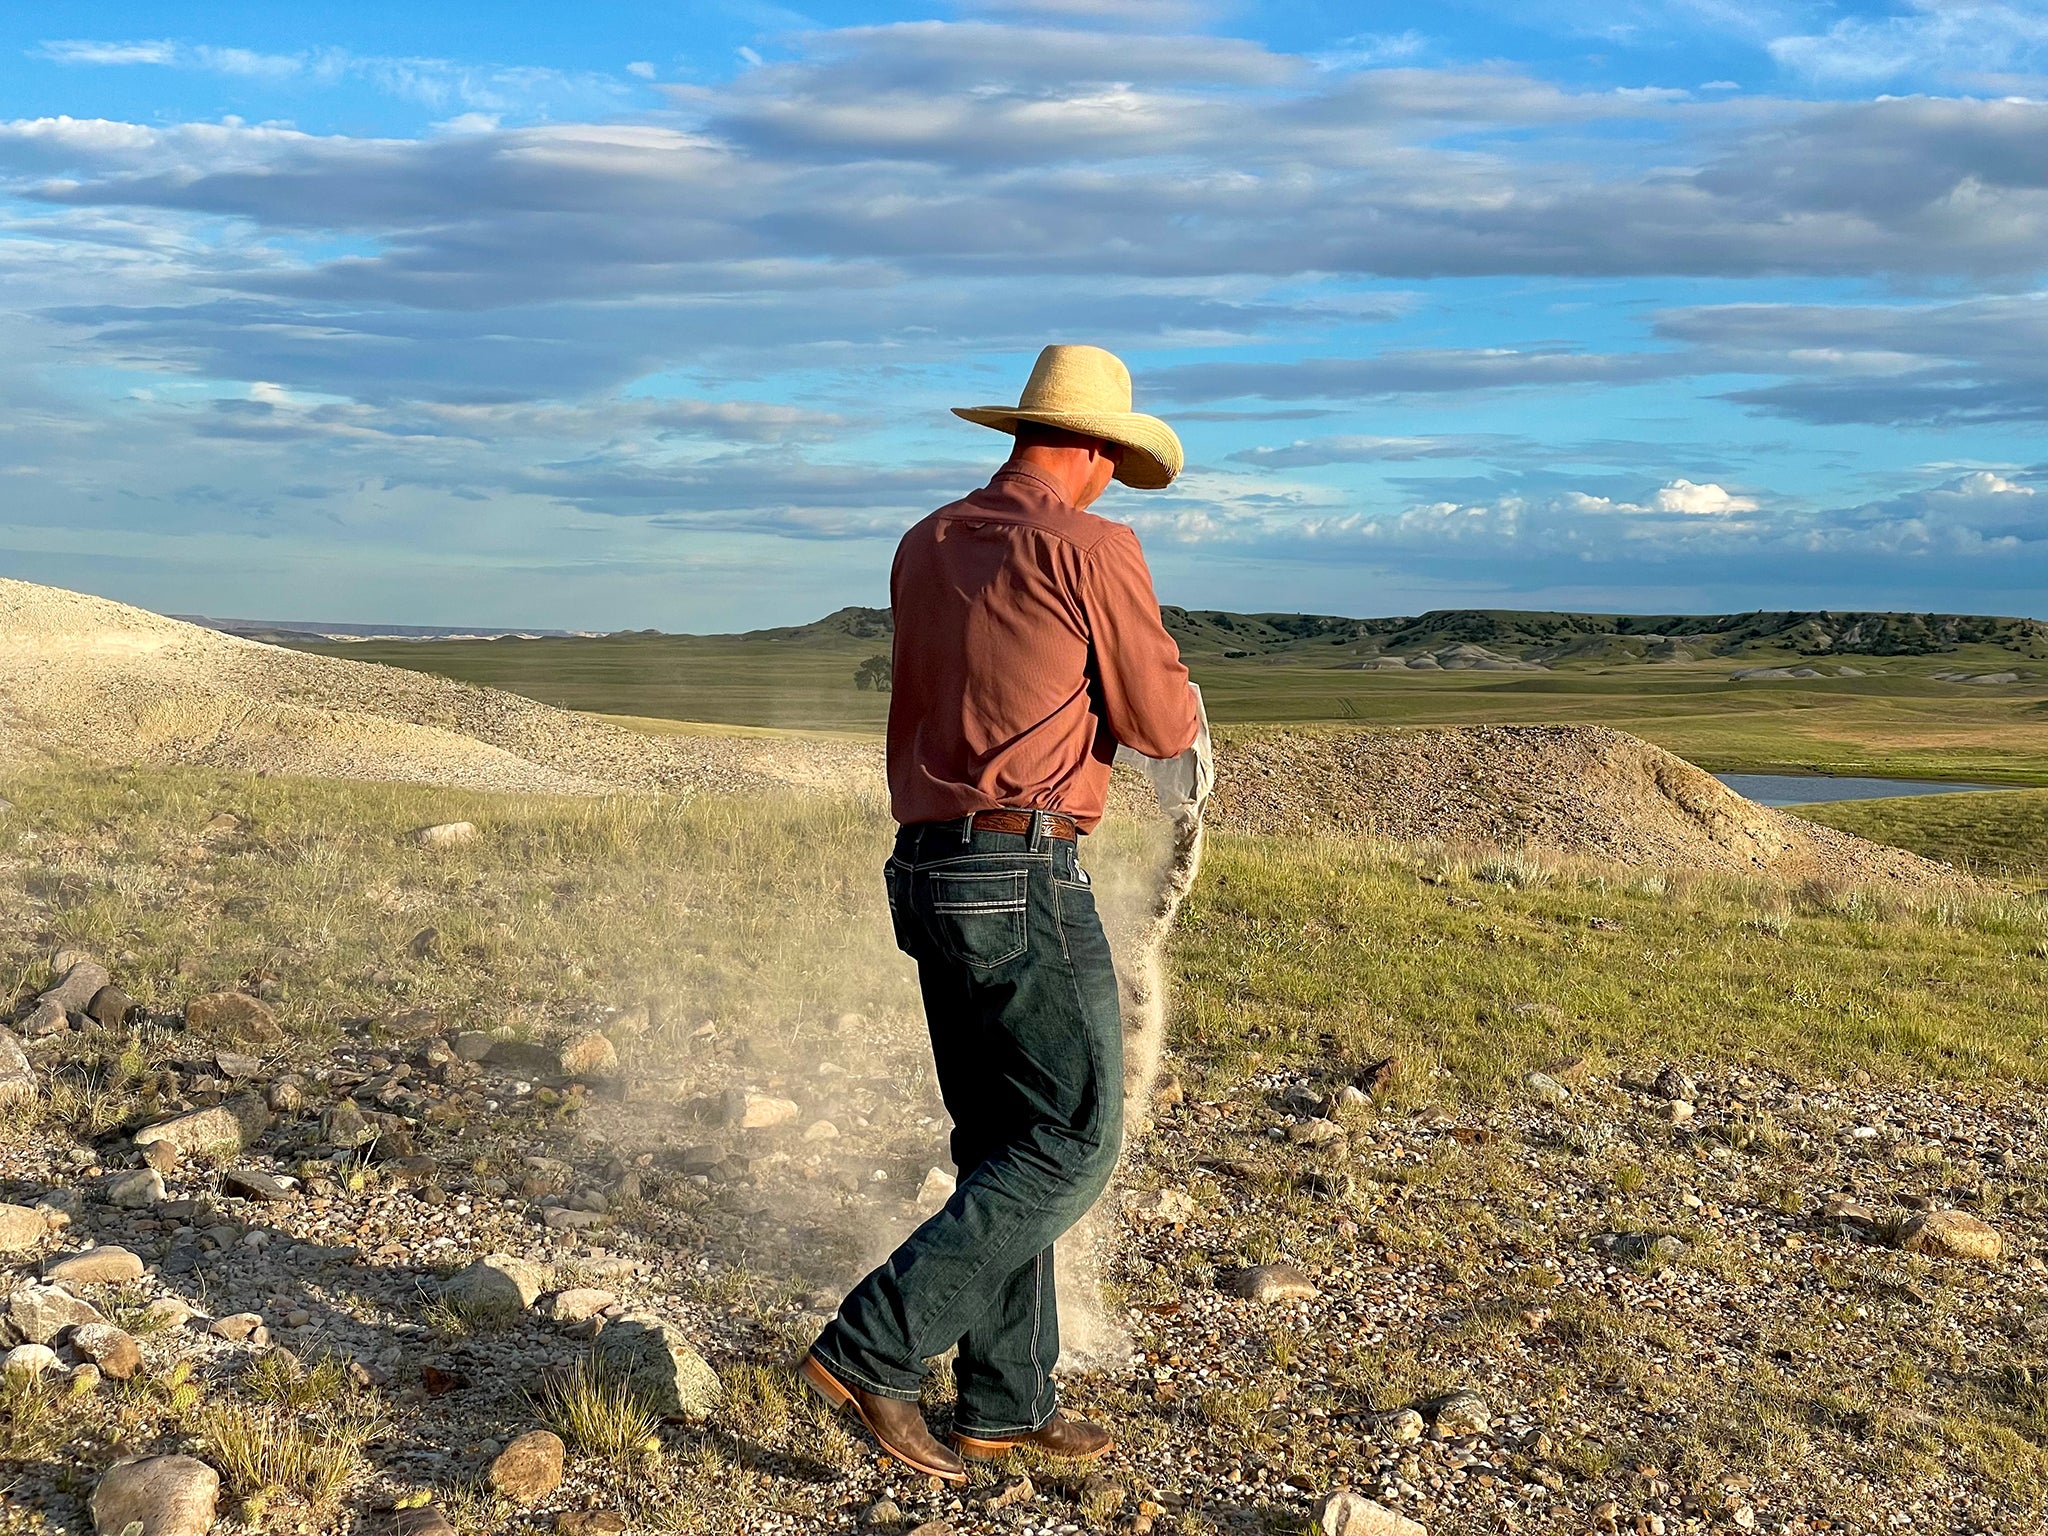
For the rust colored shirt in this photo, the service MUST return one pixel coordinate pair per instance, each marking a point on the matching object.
(1028, 645)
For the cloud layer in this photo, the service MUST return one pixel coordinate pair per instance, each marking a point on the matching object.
(1547, 320)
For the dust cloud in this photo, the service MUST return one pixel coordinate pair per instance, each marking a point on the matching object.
(783, 1106)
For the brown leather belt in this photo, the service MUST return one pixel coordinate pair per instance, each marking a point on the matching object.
(1065, 828)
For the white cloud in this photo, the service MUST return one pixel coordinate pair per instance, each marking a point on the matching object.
(1701, 500)
(429, 82)
(640, 69)
(1938, 36)
(86, 51)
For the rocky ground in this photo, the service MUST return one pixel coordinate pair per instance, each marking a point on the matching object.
(429, 1280)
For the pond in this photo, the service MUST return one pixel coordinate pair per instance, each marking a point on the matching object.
(1810, 788)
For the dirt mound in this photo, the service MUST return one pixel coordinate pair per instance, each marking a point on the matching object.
(1571, 791)
(83, 676)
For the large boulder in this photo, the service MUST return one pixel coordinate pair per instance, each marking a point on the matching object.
(496, 1282)
(222, 1129)
(78, 985)
(105, 1265)
(138, 1188)
(1353, 1514)
(115, 1352)
(38, 1313)
(589, 1053)
(21, 1229)
(164, 1495)
(1952, 1235)
(530, 1468)
(660, 1365)
(233, 1016)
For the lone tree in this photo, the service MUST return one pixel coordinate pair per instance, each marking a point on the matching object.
(877, 672)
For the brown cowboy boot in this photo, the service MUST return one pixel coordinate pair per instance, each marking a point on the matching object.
(898, 1427)
(1070, 1439)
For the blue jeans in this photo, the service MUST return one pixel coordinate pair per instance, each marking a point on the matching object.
(1021, 1000)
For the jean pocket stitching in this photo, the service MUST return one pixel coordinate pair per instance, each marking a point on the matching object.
(988, 894)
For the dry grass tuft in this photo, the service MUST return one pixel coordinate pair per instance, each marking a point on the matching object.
(598, 1413)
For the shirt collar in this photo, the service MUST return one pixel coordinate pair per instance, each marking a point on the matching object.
(1025, 472)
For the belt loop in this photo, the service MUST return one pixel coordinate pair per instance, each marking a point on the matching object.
(1037, 842)
(967, 829)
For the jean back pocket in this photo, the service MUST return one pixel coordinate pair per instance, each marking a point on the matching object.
(981, 919)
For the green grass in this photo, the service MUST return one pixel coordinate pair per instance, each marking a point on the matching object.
(1288, 945)
(766, 917)
(1901, 723)
(2004, 835)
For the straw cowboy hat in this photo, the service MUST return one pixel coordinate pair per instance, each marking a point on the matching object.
(1088, 390)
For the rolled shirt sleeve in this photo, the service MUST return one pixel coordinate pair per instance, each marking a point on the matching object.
(1146, 701)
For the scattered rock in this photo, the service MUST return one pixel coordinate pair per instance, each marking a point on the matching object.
(1547, 1088)
(21, 1229)
(44, 1020)
(589, 1054)
(1403, 1426)
(168, 1312)
(31, 1359)
(821, 1130)
(427, 1520)
(1457, 1413)
(1676, 1111)
(760, 1112)
(162, 1156)
(162, 1495)
(79, 983)
(882, 1512)
(241, 1328)
(498, 1282)
(224, 1128)
(1670, 1083)
(591, 1522)
(658, 1362)
(1174, 1206)
(936, 1190)
(17, 1077)
(446, 834)
(1952, 1235)
(1848, 1215)
(236, 1066)
(1316, 1132)
(1267, 1283)
(530, 1468)
(112, 1007)
(1352, 1514)
(96, 1266)
(345, 1125)
(254, 1184)
(39, 1313)
(139, 1188)
(577, 1305)
(1639, 1247)
(472, 1045)
(234, 1016)
(1018, 1490)
(116, 1353)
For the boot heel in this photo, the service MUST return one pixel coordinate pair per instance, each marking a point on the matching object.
(827, 1386)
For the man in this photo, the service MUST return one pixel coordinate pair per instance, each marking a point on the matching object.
(1028, 647)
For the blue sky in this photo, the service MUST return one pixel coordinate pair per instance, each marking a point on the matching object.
(628, 314)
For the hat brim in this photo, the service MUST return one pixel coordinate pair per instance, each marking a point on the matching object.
(1154, 455)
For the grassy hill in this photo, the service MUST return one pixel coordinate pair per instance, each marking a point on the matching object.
(1666, 678)
(2005, 835)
